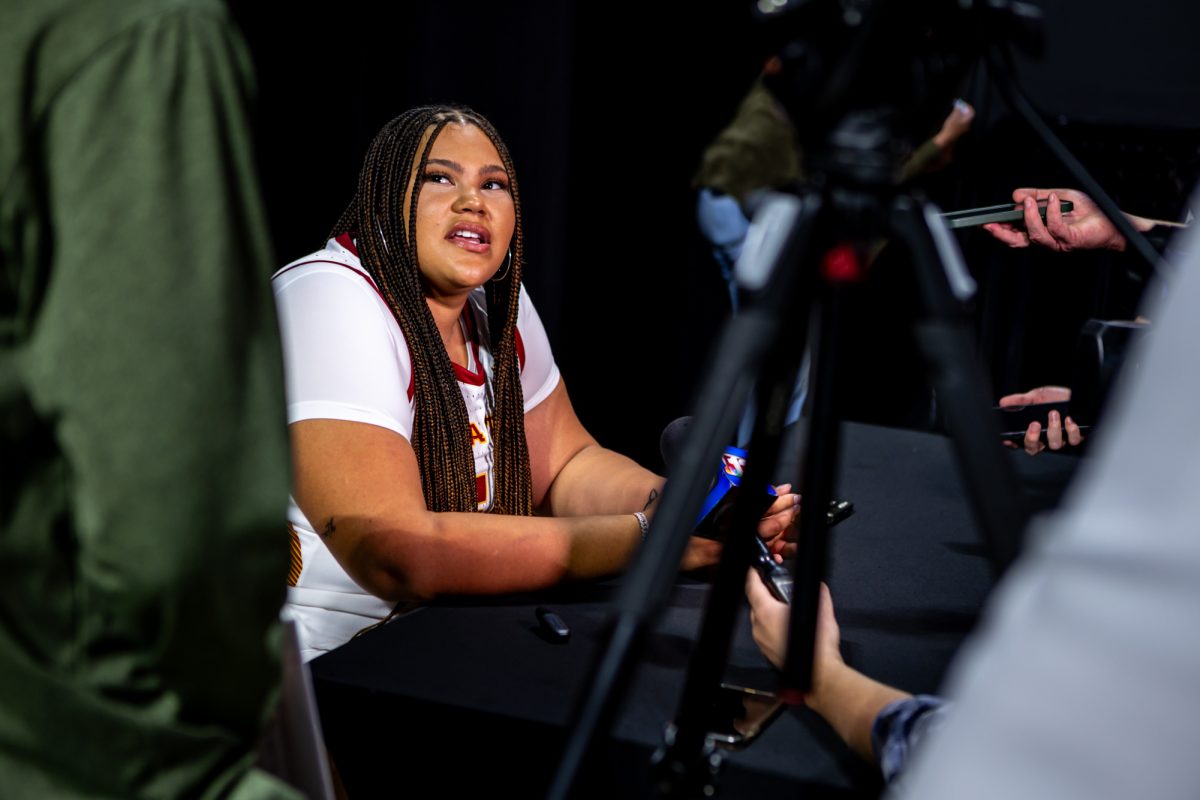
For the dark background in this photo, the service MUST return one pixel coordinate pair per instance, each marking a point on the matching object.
(607, 107)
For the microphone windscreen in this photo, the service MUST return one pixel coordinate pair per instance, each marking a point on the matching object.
(672, 439)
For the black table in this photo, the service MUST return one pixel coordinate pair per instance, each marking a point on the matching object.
(464, 697)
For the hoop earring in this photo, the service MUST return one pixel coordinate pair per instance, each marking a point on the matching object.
(507, 267)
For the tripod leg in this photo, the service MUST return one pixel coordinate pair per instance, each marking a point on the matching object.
(820, 466)
(947, 345)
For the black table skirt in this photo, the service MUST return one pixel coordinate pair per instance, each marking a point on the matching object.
(464, 697)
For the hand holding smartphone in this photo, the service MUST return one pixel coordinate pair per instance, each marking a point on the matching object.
(1014, 421)
(1006, 212)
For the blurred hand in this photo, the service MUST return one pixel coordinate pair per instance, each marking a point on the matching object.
(1059, 432)
(957, 122)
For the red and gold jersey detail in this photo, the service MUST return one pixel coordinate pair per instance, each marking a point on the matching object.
(481, 490)
(477, 436)
(296, 564)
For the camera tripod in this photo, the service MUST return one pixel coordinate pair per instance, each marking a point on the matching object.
(810, 248)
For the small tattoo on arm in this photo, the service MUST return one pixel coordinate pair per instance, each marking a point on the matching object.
(329, 529)
(649, 500)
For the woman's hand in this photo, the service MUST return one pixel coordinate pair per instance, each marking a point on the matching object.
(701, 552)
(1058, 431)
(777, 528)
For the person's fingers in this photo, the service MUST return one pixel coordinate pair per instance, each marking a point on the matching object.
(756, 591)
(1041, 394)
(1055, 223)
(1081, 201)
(1051, 394)
(772, 526)
(1019, 399)
(1033, 438)
(780, 547)
(1054, 431)
(1006, 233)
(1008, 444)
(1036, 228)
(1019, 195)
(1074, 435)
(957, 122)
(784, 501)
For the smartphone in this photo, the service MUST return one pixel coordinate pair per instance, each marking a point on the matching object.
(741, 714)
(1006, 212)
(1014, 420)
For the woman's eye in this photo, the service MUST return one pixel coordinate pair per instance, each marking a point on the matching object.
(437, 177)
(496, 183)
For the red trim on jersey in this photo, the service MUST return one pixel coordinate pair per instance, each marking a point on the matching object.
(347, 241)
(463, 374)
(468, 377)
(481, 486)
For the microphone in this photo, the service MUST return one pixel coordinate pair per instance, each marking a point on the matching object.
(712, 521)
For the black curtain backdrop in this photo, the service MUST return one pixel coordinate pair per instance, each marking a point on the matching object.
(607, 107)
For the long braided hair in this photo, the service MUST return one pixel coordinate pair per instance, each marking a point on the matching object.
(388, 250)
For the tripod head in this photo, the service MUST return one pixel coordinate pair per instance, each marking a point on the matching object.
(865, 80)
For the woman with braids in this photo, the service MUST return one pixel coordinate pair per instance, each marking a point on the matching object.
(422, 393)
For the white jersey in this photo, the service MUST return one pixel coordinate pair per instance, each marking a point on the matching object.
(346, 358)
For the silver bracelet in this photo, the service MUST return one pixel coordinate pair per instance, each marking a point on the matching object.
(643, 523)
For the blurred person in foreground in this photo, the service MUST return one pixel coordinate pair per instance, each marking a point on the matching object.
(141, 407)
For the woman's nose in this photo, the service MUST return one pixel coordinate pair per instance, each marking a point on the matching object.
(469, 199)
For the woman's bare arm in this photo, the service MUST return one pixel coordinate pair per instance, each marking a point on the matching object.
(359, 486)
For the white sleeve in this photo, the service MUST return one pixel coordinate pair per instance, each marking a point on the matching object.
(539, 373)
(1083, 682)
(344, 355)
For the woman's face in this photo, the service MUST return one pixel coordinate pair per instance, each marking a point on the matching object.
(465, 212)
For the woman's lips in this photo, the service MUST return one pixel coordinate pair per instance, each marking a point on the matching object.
(473, 238)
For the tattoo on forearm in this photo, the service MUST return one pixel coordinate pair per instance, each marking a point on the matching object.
(329, 529)
(650, 500)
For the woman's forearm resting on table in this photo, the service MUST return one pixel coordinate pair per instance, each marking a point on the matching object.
(434, 553)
